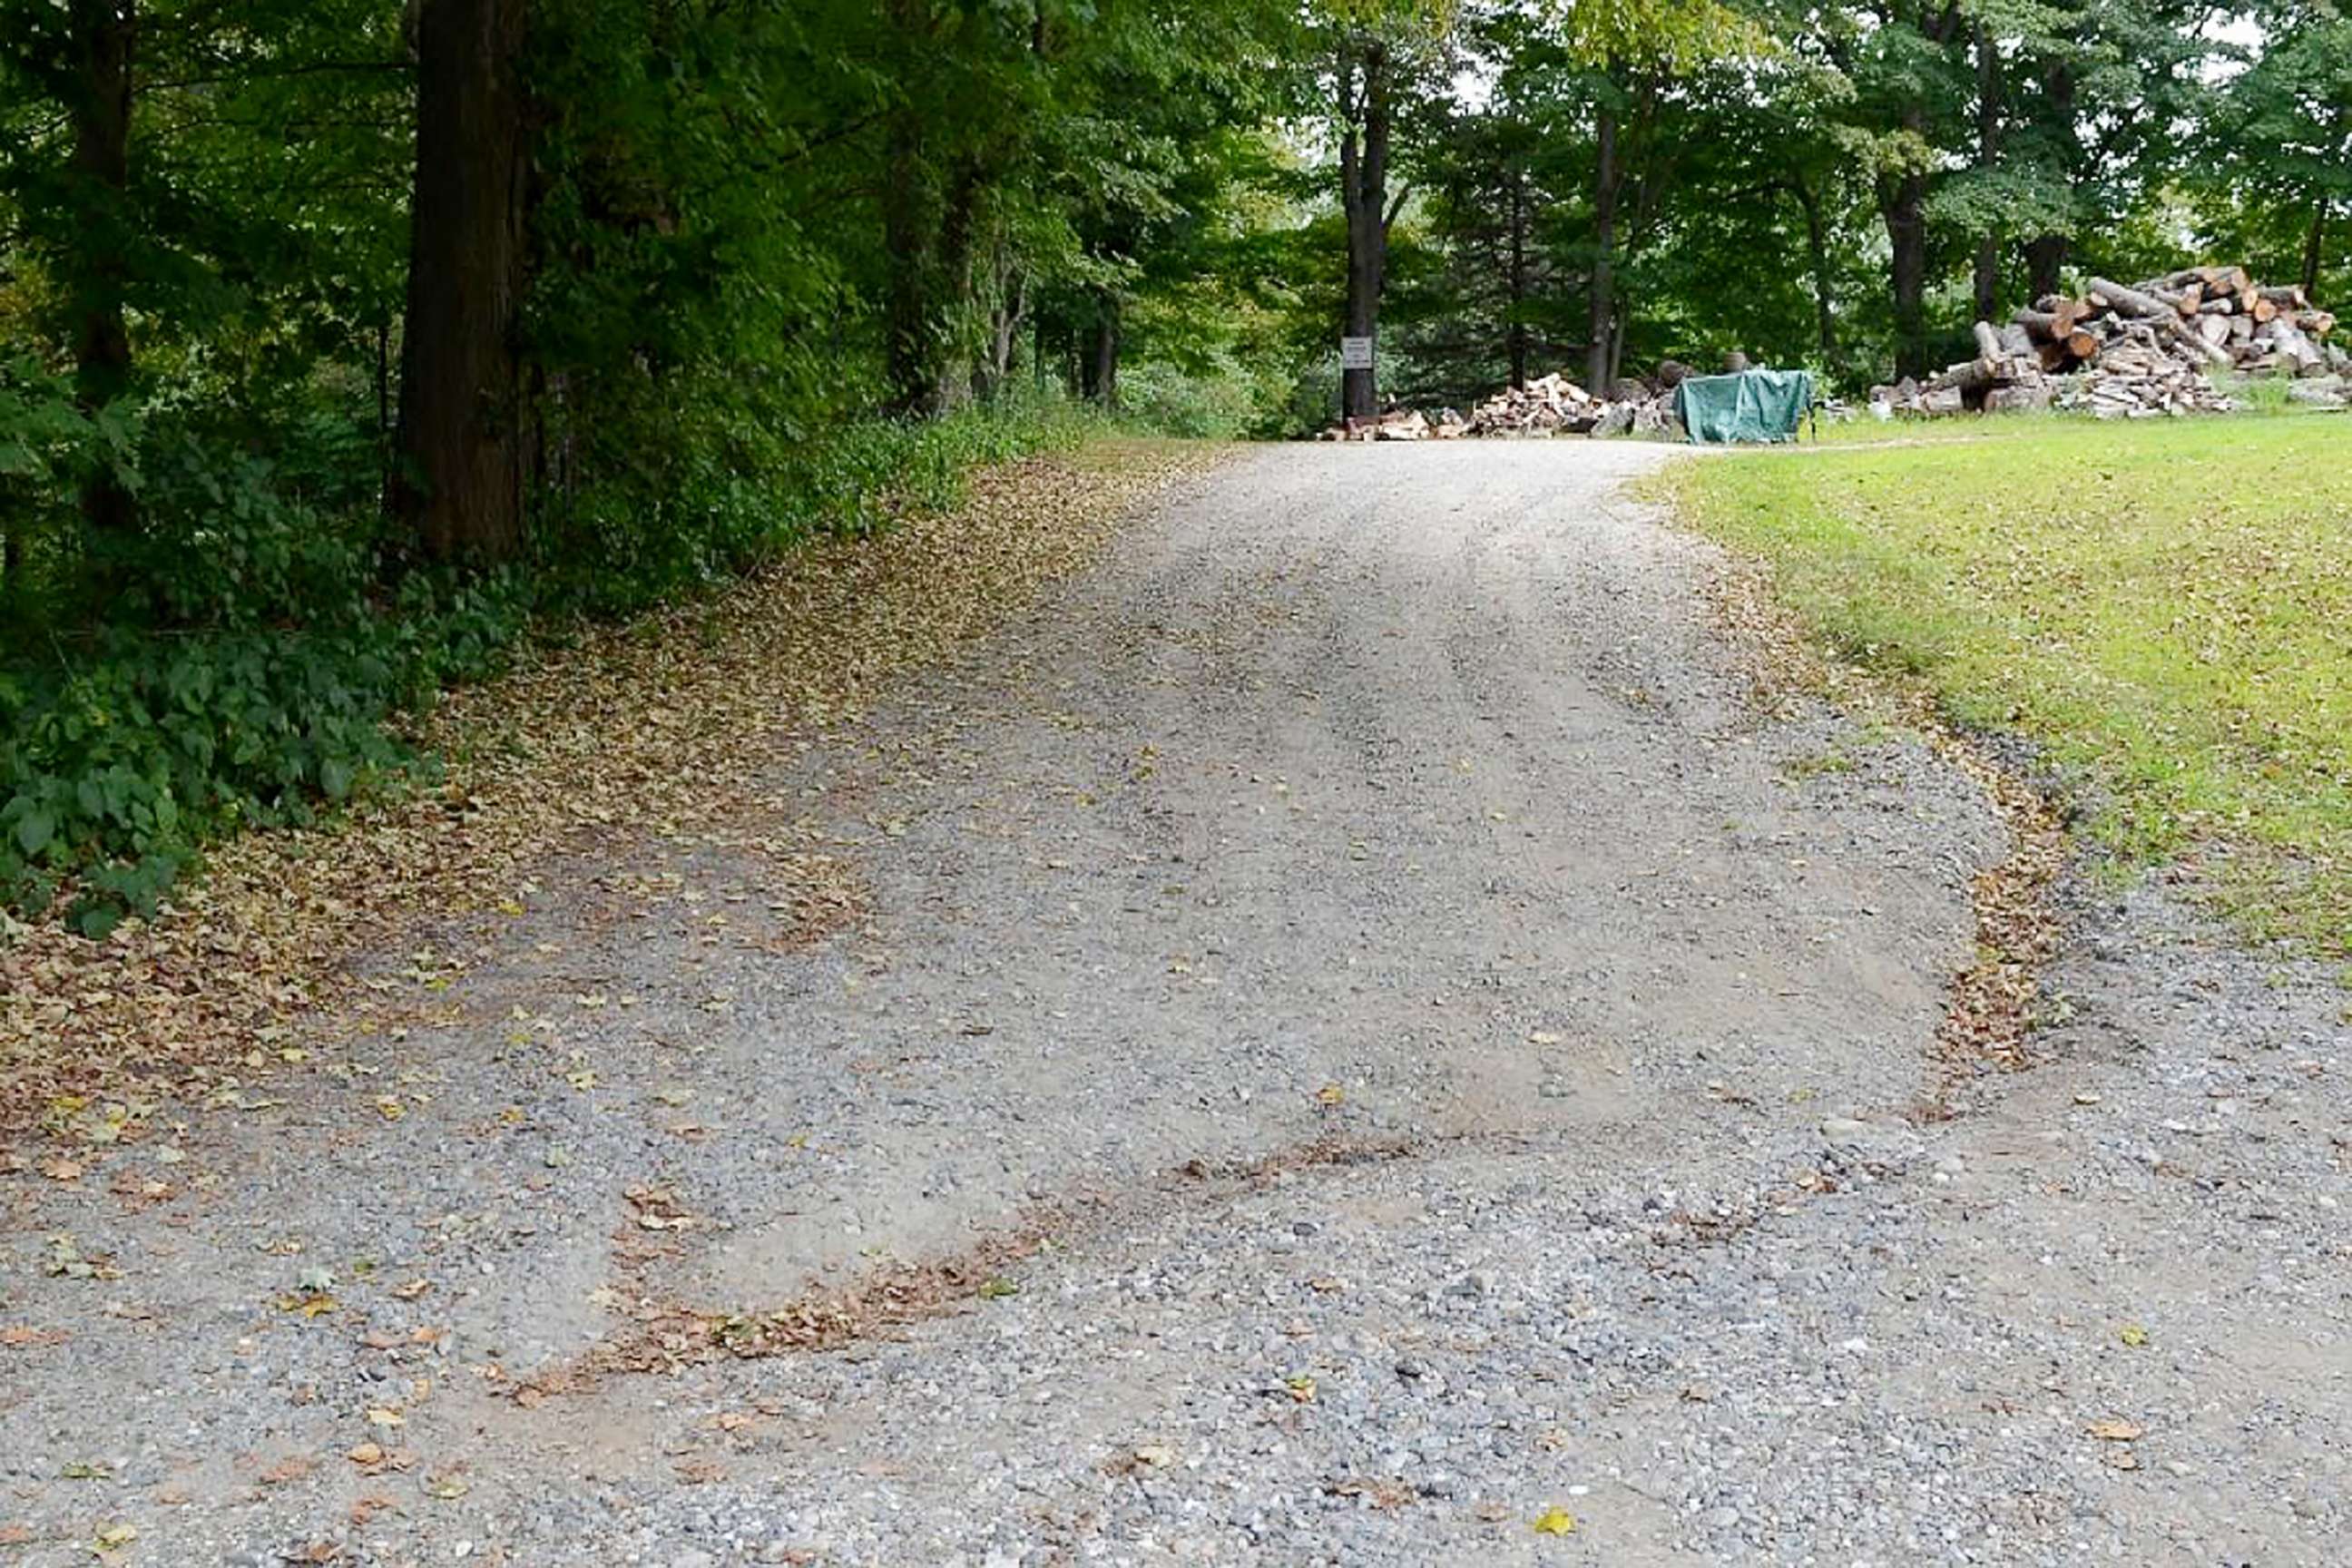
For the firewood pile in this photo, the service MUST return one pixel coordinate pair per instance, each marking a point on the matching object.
(2143, 351)
(1545, 406)
(1400, 425)
(1548, 406)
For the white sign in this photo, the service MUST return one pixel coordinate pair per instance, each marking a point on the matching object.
(1355, 353)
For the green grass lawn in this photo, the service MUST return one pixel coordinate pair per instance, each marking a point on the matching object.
(2166, 606)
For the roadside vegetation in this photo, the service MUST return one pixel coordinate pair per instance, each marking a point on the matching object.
(347, 345)
(2165, 608)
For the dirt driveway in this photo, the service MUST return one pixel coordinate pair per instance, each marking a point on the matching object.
(1356, 1045)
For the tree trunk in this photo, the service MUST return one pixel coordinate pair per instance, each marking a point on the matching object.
(1817, 251)
(2045, 255)
(1903, 200)
(1518, 280)
(992, 370)
(460, 484)
(1363, 185)
(1103, 372)
(1601, 298)
(2313, 242)
(948, 286)
(1988, 268)
(908, 237)
(104, 33)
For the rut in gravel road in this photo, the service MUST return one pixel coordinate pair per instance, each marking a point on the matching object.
(1361, 1047)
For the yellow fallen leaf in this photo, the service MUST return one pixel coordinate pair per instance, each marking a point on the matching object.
(1301, 1386)
(116, 1535)
(2133, 1335)
(2114, 1429)
(1331, 1094)
(384, 1416)
(1555, 1520)
(390, 1109)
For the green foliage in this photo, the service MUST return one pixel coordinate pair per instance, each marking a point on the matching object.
(792, 268)
(120, 762)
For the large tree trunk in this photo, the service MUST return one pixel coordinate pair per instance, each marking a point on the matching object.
(1600, 300)
(2314, 241)
(1363, 189)
(1988, 268)
(1903, 200)
(2046, 253)
(104, 33)
(948, 286)
(908, 355)
(460, 485)
(2045, 256)
(1519, 278)
(992, 370)
(1102, 372)
(1817, 253)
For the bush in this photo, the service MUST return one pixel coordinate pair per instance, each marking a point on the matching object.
(252, 643)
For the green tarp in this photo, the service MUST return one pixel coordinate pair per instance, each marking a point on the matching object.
(1749, 405)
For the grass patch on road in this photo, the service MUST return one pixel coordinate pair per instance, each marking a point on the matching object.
(2165, 607)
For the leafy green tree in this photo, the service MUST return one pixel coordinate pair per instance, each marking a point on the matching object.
(2281, 141)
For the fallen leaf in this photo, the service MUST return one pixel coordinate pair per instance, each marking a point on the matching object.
(292, 1467)
(384, 1416)
(1301, 1386)
(1331, 1094)
(2133, 1335)
(16, 1337)
(113, 1536)
(2114, 1429)
(1555, 1520)
(994, 1288)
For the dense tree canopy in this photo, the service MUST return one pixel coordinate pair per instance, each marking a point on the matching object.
(337, 338)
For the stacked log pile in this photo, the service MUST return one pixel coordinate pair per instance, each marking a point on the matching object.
(1548, 406)
(2139, 351)
(1545, 406)
(1400, 425)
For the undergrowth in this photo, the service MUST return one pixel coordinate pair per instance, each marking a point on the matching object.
(242, 658)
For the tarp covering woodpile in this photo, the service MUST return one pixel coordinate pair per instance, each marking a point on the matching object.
(1745, 406)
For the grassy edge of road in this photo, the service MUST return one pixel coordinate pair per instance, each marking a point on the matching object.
(2164, 609)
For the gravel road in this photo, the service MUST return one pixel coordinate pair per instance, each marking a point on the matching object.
(1360, 1046)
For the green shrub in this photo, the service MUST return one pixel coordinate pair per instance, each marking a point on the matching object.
(237, 663)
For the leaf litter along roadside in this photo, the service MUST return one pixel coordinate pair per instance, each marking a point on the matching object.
(660, 725)
(1994, 1000)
